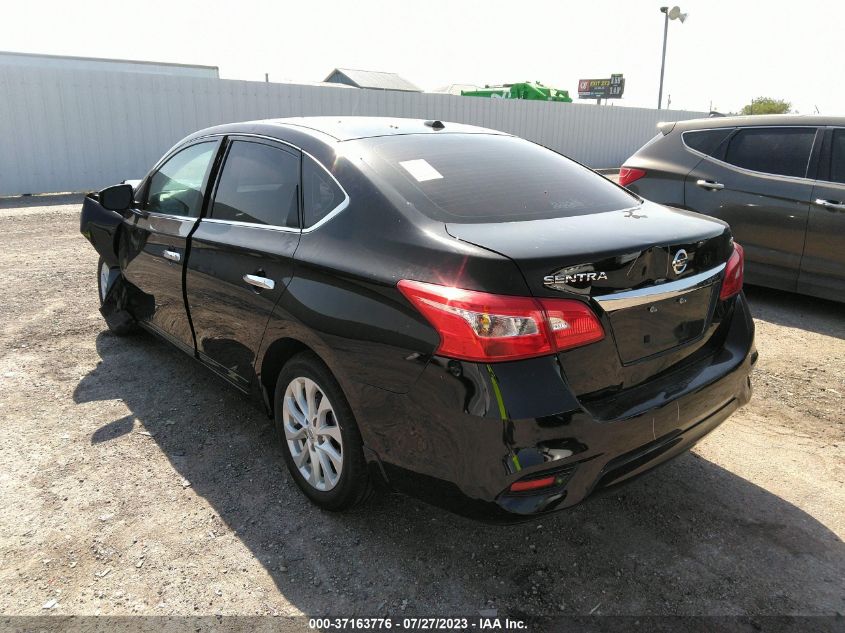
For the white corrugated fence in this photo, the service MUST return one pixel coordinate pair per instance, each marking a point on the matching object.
(84, 130)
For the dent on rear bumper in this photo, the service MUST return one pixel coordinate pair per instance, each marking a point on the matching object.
(466, 431)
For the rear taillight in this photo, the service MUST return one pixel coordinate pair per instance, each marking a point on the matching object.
(734, 271)
(627, 175)
(485, 327)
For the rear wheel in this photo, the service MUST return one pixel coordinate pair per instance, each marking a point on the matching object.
(120, 322)
(320, 439)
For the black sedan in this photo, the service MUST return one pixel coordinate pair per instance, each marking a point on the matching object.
(448, 310)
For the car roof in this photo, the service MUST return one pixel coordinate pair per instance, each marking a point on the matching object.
(347, 128)
(758, 120)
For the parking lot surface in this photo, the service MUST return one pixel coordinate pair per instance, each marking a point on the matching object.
(133, 481)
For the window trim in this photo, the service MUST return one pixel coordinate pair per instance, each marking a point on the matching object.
(331, 214)
(229, 141)
(209, 172)
(731, 131)
(813, 153)
(340, 207)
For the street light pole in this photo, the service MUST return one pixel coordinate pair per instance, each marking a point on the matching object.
(665, 12)
(671, 14)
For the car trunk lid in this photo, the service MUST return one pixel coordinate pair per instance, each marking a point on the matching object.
(652, 274)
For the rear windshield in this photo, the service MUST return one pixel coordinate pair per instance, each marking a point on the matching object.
(469, 178)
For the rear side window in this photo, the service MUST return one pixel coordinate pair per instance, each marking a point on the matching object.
(177, 187)
(322, 193)
(781, 151)
(472, 178)
(837, 157)
(706, 141)
(259, 184)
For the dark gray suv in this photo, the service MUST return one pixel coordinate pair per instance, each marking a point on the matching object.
(778, 180)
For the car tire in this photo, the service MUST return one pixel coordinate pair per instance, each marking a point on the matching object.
(120, 322)
(321, 444)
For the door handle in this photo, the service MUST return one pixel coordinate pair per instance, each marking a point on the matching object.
(260, 282)
(712, 185)
(831, 205)
(172, 256)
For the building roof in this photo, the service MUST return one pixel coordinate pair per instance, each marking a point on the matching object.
(373, 79)
(104, 63)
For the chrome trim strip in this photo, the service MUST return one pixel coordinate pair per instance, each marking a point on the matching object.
(652, 294)
(157, 215)
(339, 208)
(252, 225)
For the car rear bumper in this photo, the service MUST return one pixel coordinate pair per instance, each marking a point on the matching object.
(466, 432)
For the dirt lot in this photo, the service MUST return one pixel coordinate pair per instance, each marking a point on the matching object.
(132, 481)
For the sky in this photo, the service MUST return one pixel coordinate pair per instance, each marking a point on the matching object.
(725, 54)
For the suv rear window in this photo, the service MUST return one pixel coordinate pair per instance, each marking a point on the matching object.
(471, 178)
(706, 141)
(781, 151)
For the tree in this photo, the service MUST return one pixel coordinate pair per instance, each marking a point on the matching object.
(767, 105)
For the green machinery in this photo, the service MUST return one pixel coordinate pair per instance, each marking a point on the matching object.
(529, 90)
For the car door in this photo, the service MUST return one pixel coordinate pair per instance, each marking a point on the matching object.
(823, 264)
(153, 254)
(242, 251)
(757, 182)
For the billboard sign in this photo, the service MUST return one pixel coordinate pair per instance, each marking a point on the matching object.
(611, 88)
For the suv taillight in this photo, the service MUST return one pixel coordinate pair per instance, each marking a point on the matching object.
(627, 175)
(485, 327)
(734, 272)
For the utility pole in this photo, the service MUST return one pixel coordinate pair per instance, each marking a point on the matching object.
(670, 14)
(665, 11)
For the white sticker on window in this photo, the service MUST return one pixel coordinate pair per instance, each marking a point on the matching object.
(421, 170)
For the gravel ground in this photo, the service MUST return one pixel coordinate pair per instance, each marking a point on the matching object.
(133, 481)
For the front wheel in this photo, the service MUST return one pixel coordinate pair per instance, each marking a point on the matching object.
(120, 322)
(321, 443)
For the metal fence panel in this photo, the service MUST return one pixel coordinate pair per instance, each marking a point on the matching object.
(84, 130)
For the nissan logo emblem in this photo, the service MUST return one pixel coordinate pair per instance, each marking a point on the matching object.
(679, 263)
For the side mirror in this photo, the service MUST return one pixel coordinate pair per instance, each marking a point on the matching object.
(117, 197)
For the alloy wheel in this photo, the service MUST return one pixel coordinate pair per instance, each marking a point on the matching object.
(312, 433)
(104, 280)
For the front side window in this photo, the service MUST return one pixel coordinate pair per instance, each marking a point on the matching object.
(177, 188)
(837, 157)
(779, 151)
(259, 184)
(322, 193)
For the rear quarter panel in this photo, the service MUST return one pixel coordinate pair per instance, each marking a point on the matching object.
(343, 301)
(666, 162)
